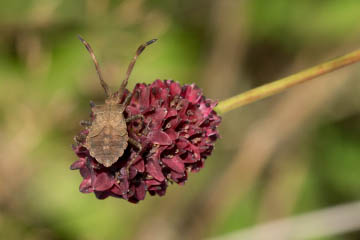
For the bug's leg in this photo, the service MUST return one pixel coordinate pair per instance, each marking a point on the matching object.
(132, 118)
(126, 101)
(135, 143)
(136, 126)
(85, 123)
(145, 131)
(92, 104)
(91, 169)
(80, 138)
(139, 147)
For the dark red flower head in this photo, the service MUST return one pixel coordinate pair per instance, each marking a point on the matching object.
(177, 134)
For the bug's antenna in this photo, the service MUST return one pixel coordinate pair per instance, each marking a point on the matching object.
(131, 66)
(102, 82)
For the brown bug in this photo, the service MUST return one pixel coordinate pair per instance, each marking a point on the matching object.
(108, 137)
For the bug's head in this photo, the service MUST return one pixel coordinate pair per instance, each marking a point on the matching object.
(112, 99)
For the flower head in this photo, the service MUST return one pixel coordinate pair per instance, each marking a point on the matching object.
(177, 134)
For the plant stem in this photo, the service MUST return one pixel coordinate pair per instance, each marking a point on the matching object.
(273, 88)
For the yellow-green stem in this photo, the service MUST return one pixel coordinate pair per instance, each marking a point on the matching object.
(273, 88)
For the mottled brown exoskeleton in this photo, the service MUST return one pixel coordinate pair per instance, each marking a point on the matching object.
(108, 137)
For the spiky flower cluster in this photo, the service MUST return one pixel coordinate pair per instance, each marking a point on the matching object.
(177, 134)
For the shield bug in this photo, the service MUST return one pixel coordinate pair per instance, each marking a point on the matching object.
(107, 136)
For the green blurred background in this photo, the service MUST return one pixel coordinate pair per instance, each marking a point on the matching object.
(291, 154)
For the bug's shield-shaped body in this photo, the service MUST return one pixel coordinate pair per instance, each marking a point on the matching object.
(108, 137)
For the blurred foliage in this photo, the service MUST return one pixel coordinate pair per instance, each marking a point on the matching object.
(47, 79)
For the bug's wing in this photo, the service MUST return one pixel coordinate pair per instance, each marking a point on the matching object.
(97, 125)
(107, 146)
(119, 135)
(108, 137)
(118, 124)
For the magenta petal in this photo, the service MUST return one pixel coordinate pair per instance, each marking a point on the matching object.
(179, 178)
(140, 166)
(173, 122)
(145, 97)
(154, 170)
(78, 164)
(154, 188)
(159, 93)
(151, 182)
(175, 88)
(132, 172)
(182, 143)
(158, 84)
(160, 137)
(116, 190)
(123, 186)
(175, 164)
(157, 118)
(140, 191)
(159, 114)
(85, 186)
(133, 110)
(81, 152)
(182, 107)
(192, 94)
(172, 134)
(161, 191)
(171, 113)
(207, 108)
(195, 150)
(103, 182)
(189, 159)
(102, 195)
(85, 172)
